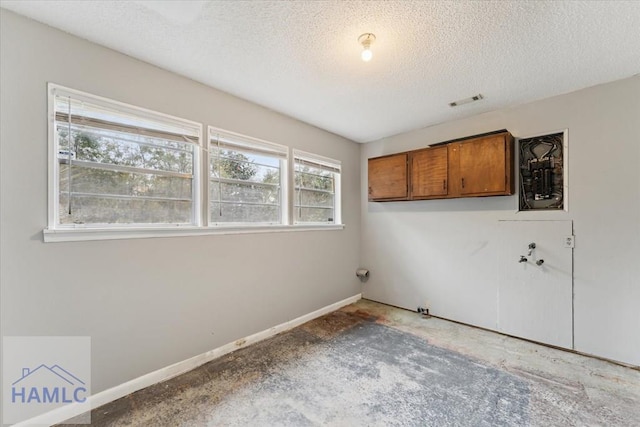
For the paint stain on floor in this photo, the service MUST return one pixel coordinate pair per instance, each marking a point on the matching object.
(370, 364)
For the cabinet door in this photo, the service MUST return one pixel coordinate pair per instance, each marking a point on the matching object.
(483, 166)
(429, 172)
(388, 177)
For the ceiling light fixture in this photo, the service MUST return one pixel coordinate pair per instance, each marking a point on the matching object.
(365, 40)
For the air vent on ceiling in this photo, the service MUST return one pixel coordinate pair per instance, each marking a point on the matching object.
(477, 97)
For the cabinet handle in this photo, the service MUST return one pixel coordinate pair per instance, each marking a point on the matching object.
(444, 184)
(462, 182)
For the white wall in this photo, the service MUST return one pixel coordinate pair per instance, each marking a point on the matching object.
(148, 303)
(445, 250)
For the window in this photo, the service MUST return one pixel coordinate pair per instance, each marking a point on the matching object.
(247, 180)
(120, 171)
(317, 189)
(115, 164)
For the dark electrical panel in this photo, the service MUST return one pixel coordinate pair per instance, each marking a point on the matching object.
(542, 172)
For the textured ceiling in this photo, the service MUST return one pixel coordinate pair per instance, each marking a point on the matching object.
(302, 58)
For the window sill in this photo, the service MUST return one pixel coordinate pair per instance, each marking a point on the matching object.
(85, 234)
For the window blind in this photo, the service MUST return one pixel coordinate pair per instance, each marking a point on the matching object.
(246, 177)
(317, 189)
(120, 164)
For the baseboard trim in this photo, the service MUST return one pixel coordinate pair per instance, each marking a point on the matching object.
(64, 413)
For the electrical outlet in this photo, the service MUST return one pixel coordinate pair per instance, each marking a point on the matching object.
(569, 242)
(424, 311)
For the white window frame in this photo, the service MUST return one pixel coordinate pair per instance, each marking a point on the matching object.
(54, 224)
(249, 144)
(329, 163)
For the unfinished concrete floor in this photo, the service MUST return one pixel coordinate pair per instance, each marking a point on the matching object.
(371, 364)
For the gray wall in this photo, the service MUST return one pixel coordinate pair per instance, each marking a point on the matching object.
(446, 250)
(148, 303)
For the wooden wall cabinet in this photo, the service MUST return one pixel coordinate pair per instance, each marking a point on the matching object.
(430, 173)
(388, 178)
(469, 167)
(485, 165)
